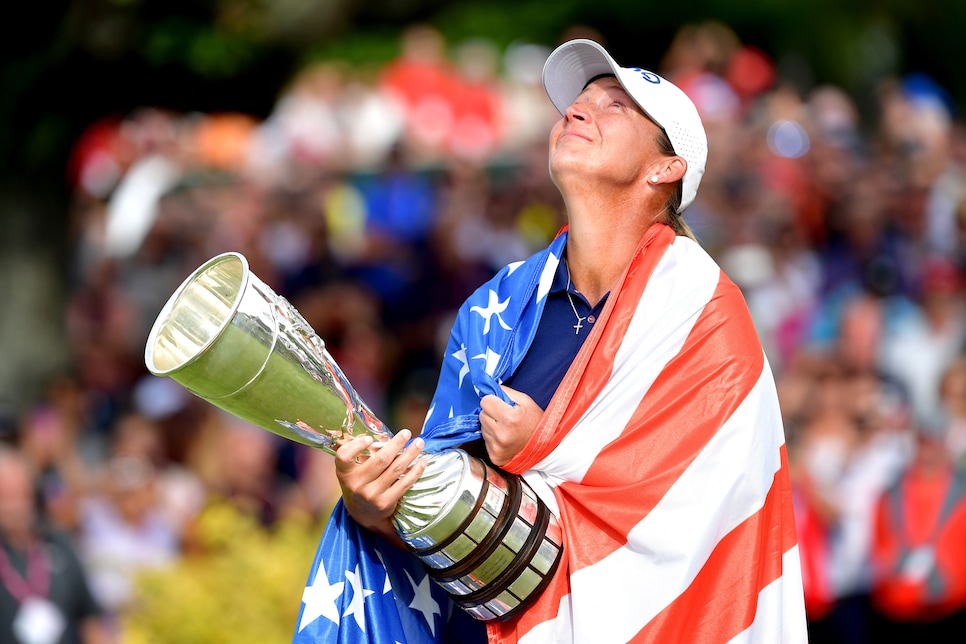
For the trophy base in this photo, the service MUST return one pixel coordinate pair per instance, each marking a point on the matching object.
(493, 547)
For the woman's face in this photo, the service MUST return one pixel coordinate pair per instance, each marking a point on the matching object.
(603, 135)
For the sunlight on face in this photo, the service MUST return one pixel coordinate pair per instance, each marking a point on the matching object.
(603, 134)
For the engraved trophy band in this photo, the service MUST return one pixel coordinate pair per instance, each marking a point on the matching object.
(228, 338)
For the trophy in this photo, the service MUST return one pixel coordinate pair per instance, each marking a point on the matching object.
(228, 338)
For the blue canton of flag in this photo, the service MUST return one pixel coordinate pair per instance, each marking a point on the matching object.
(361, 588)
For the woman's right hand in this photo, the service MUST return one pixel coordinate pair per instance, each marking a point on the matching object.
(373, 485)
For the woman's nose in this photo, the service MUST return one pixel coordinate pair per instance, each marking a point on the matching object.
(578, 110)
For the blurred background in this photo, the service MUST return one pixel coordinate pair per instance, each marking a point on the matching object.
(377, 160)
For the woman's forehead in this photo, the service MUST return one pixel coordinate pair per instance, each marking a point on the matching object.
(609, 84)
(605, 81)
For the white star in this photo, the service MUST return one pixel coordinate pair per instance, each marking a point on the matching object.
(423, 601)
(320, 598)
(513, 266)
(546, 277)
(492, 359)
(386, 587)
(359, 595)
(493, 307)
(461, 356)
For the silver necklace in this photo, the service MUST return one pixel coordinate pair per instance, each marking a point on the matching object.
(578, 326)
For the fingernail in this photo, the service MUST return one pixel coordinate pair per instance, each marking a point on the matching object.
(406, 433)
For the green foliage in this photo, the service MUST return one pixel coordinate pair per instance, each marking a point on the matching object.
(245, 585)
(199, 49)
(507, 21)
(370, 48)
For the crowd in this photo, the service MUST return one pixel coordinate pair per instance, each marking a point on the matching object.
(375, 199)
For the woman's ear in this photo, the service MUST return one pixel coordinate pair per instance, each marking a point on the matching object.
(675, 169)
(669, 170)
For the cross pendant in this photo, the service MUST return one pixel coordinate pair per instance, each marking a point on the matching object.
(578, 326)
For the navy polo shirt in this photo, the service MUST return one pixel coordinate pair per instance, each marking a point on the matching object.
(556, 342)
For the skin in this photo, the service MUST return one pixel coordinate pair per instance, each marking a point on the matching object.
(614, 181)
(372, 485)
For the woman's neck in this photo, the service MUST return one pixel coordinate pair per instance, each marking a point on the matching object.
(599, 249)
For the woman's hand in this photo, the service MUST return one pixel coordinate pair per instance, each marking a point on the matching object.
(372, 485)
(507, 428)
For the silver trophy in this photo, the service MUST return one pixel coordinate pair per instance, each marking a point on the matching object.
(482, 533)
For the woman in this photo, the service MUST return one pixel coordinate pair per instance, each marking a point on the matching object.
(619, 372)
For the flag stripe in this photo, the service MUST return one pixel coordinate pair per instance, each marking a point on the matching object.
(719, 604)
(676, 537)
(673, 422)
(775, 612)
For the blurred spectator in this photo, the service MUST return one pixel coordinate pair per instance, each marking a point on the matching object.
(45, 597)
(835, 161)
(157, 138)
(813, 535)
(917, 130)
(374, 121)
(99, 158)
(399, 209)
(924, 344)
(527, 114)
(478, 110)
(918, 587)
(173, 489)
(424, 82)
(240, 466)
(220, 142)
(848, 445)
(316, 489)
(863, 250)
(305, 127)
(478, 221)
(123, 529)
(52, 446)
(780, 277)
(698, 48)
(102, 325)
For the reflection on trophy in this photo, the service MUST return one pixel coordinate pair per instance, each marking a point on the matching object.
(224, 335)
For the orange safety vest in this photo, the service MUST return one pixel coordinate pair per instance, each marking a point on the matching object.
(918, 554)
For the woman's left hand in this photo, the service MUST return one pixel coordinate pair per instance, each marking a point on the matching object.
(507, 428)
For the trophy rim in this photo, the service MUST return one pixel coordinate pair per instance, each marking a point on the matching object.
(165, 313)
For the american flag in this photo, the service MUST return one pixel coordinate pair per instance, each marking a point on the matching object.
(662, 453)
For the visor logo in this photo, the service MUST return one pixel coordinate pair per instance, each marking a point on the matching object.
(650, 77)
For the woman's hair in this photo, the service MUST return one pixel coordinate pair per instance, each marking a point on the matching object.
(671, 214)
